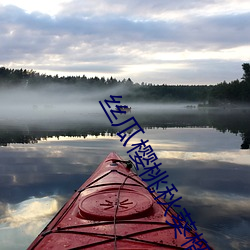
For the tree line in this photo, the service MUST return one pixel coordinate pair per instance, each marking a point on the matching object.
(236, 91)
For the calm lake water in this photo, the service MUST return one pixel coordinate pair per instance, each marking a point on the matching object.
(45, 157)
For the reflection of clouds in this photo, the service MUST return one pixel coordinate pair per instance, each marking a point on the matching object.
(170, 146)
(236, 157)
(25, 220)
(75, 149)
(228, 203)
(51, 167)
(223, 218)
(29, 212)
(57, 153)
(217, 186)
(190, 139)
(105, 136)
(2, 209)
(66, 156)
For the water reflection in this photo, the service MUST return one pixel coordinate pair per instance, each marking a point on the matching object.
(233, 121)
(20, 222)
(29, 210)
(207, 166)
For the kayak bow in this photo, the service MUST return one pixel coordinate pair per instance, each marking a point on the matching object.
(112, 210)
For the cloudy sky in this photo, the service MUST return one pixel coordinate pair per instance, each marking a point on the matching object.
(157, 41)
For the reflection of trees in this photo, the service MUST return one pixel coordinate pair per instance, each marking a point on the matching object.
(233, 121)
(20, 135)
(229, 120)
(16, 137)
(246, 141)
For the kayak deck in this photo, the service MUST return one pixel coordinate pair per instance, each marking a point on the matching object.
(112, 210)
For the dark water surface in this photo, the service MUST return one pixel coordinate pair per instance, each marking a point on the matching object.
(43, 161)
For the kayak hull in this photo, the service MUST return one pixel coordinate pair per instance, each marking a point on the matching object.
(112, 210)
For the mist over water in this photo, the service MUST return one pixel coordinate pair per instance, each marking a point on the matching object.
(200, 149)
(55, 102)
(61, 107)
(61, 102)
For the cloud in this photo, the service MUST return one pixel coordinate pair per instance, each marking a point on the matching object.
(115, 30)
(115, 38)
(141, 9)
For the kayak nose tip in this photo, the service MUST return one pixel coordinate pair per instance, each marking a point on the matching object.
(128, 164)
(113, 164)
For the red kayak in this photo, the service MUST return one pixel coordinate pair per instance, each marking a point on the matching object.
(113, 209)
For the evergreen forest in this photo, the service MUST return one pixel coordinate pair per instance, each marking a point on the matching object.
(224, 93)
